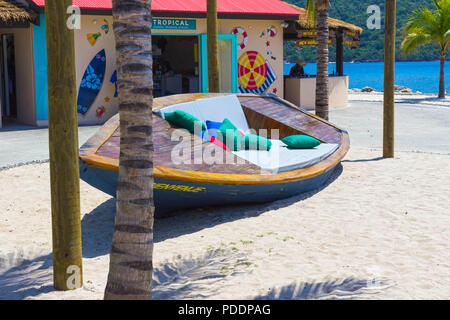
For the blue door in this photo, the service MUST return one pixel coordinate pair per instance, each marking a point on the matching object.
(228, 67)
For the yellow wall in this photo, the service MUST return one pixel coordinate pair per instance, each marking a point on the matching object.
(25, 93)
(271, 48)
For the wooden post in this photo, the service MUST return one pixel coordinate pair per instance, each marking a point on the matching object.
(212, 45)
(389, 78)
(63, 143)
(340, 52)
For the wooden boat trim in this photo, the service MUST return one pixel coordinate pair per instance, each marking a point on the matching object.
(89, 157)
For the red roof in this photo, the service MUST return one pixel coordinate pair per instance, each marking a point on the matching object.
(256, 7)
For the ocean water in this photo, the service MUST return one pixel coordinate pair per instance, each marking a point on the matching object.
(420, 76)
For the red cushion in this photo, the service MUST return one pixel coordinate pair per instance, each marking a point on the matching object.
(219, 143)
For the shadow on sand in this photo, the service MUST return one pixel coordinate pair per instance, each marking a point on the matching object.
(182, 278)
(194, 278)
(350, 288)
(26, 277)
(364, 160)
(190, 278)
(97, 226)
(423, 100)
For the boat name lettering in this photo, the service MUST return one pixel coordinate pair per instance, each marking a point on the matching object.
(174, 187)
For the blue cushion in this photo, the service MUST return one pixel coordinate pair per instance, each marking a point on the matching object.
(205, 135)
(213, 126)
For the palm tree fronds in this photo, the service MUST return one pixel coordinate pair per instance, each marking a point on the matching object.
(414, 41)
(425, 26)
(421, 19)
(311, 14)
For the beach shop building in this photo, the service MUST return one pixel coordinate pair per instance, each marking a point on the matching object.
(250, 54)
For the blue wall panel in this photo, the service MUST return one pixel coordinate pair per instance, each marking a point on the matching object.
(40, 70)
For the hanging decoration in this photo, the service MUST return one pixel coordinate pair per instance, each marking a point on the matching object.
(272, 31)
(105, 27)
(114, 80)
(100, 111)
(241, 31)
(255, 73)
(91, 82)
(92, 37)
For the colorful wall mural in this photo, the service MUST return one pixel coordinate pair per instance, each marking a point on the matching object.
(95, 65)
(259, 53)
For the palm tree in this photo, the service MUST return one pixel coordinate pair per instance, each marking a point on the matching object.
(425, 26)
(317, 11)
(131, 266)
(213, 56)
(389, 78)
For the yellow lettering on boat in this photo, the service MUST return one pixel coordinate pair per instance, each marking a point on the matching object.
(175, 187)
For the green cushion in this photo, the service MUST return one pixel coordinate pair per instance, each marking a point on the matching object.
(301, 142)
(184, 120)
(255, 142)
(230, 135)
(170, 116)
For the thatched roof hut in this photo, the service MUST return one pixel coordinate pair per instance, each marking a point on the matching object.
(334, 24)
(341, 34)
(12, 12)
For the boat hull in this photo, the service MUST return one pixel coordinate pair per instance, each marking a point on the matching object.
(172, 195)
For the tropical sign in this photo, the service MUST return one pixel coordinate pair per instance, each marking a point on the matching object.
(354, 35)
(310, 42)
(351, 43)
(174, 24)
(313, 34)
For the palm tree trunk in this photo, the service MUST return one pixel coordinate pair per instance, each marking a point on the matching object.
(442, 76)
(212, 44)
(322, 59)
(131, 266)
(63, 143)
(389, 78)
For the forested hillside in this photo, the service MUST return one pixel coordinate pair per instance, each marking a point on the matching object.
(372, 41)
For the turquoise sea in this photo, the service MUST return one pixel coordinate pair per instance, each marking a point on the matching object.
(419, 76)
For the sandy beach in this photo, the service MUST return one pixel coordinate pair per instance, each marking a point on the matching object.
(378, 230)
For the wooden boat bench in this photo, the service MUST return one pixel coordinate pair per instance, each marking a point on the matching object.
(279, 158)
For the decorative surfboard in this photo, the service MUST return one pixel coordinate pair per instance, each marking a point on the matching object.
(92, 82)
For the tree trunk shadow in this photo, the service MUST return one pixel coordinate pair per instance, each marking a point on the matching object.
(23, 278)
(349, 288)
